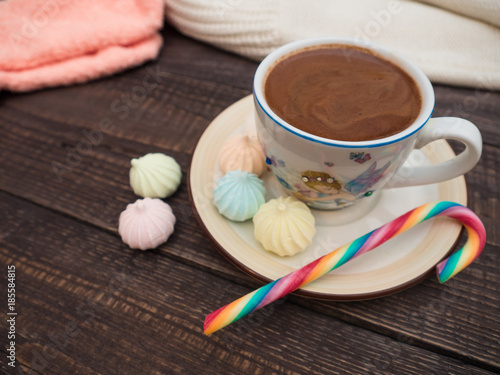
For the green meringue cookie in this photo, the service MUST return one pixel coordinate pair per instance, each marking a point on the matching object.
(155, 175)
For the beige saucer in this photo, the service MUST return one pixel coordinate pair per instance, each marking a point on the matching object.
(393, 266)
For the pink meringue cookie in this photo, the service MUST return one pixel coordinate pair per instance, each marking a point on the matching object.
(242, 152)
(146, 224)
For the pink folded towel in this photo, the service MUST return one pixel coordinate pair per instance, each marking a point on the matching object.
(45, 43)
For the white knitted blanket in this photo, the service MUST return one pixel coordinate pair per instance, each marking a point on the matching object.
(454, 42)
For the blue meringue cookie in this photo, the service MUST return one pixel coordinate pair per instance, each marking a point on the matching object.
(238, 195)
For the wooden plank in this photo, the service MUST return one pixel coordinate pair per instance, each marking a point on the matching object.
(95, 190)
(479, 106)
(88, 304)
(483, 184)
(458, 319)
(88, 183)
(182, 102)
(18, 369)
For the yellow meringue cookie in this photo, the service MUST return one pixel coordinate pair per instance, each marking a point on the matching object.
(284, 226)
(243, 153)
(155, 175)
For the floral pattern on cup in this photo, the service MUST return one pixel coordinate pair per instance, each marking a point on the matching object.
(326, 188)
(360, 157)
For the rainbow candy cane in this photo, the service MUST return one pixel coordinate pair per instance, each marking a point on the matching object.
(445, 270)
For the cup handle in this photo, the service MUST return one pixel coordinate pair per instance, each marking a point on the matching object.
(442, 128)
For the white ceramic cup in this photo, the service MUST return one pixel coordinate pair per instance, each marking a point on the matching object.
(346, 172)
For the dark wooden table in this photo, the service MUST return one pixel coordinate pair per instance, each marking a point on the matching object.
(88, 304)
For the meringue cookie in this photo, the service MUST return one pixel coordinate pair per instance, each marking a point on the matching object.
(238, 195)
(146, 224)
(155, 175)
(244, 153)
(284, 226)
